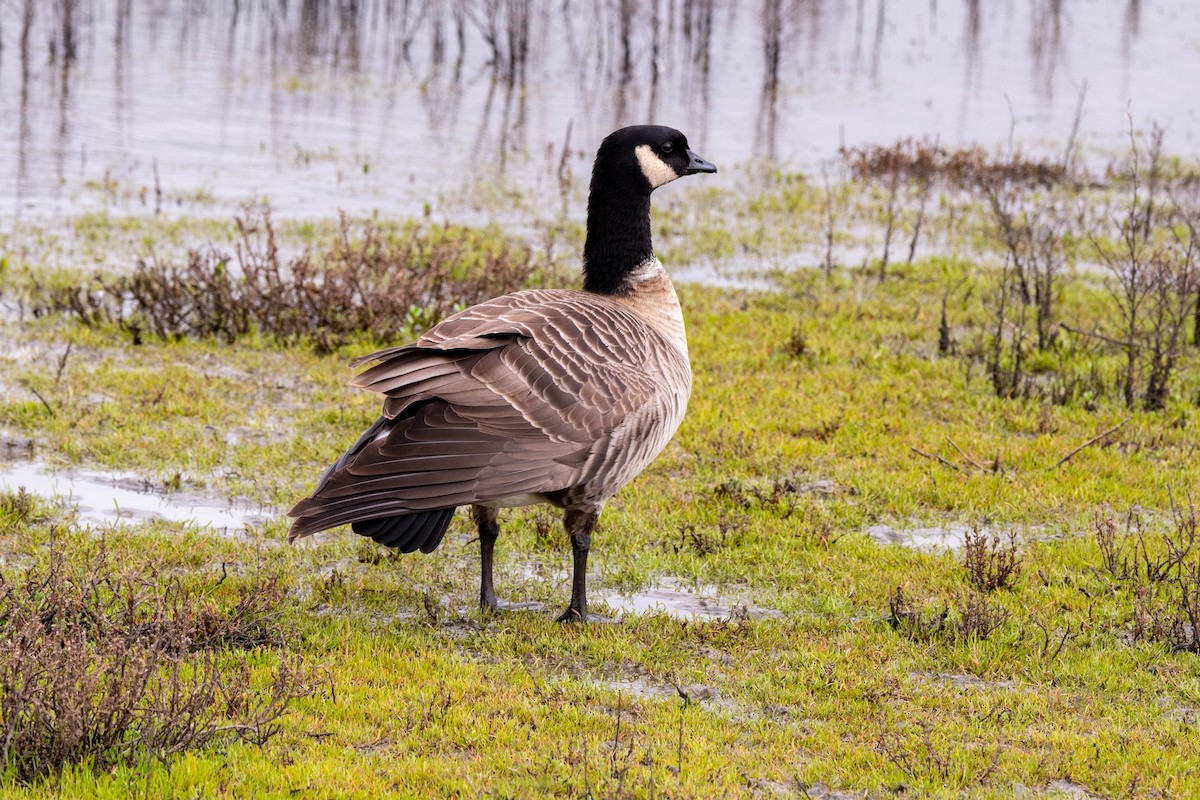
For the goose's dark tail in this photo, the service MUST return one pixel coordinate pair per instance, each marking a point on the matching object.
(420, 531)
(408, 531)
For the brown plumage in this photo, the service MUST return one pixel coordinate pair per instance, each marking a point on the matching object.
(538, 396)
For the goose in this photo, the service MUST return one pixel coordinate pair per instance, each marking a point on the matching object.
(539, 396)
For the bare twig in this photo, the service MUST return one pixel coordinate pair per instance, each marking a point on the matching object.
(39, 396)
(1096, 335)
(62, 363)
(963, 453)
(1090, 442)
(936, 458)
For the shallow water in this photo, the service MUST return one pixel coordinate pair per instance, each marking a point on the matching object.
(931, 539)
(105, 498)
(673, 598)
(174, 106)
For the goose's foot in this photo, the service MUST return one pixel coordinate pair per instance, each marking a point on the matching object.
(573, 614)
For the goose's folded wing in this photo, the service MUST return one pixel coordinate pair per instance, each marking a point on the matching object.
(436, 458)
(516, 403)
(568, 363)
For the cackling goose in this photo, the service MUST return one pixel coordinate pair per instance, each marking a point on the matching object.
(540, 396)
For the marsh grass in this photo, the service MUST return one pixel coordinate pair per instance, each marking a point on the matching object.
(792, 448)
(780, 466)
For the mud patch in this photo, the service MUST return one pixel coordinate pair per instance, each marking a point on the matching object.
(819, 791)
(695, 602)
(14, 447)
(640, 687)
(1188, 715)
(961, 681)
(101, 498)
(1060, 788)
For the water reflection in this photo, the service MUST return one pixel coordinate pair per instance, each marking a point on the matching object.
(1045, 44)
(365, 104)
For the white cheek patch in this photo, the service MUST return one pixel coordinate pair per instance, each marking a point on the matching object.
(654, 168)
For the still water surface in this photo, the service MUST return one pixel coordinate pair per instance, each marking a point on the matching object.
(137, 106)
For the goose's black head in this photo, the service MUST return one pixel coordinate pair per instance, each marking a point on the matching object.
(630, 164)
(647, 156)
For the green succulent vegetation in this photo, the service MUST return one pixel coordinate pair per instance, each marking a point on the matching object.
(1062, 659)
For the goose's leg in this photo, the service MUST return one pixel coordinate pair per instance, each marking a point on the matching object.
(489, 529)
(579, 524)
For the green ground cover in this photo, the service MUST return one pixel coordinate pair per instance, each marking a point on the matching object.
(812, 399)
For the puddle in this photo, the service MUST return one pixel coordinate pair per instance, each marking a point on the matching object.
(671, 597)
(668, 595)
(1061, 788)
(961, 681)
(731, 273)
(13, 447)
(10, 311)
(105, 498)
(950, 537)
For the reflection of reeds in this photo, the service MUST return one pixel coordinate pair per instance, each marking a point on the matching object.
(65, 10)
(772, 41)
(644, 34)
(504, 26)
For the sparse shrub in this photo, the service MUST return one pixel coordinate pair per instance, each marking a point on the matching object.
(797, 344)
(971, 617)
(16, 509)
(978, 617)
(913, 623)
(370, 553)
(547, 528)
(1032, 226)
(107, 665)
(946, 344)
(1007, 349)
(332, 586)
(705, 541)
(784, 495)
(1160, 574)
(921, 757)
(832, 210)
(910, 169)
(370, 280)
(1032, 220)
(990, 562)
(1148, 244)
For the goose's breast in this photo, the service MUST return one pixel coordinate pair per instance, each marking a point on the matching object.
(641, 436)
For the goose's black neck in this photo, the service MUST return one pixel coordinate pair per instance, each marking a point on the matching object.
(618, 231)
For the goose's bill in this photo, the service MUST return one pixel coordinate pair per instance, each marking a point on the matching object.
(697, 164)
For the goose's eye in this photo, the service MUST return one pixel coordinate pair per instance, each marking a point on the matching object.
(667, 148)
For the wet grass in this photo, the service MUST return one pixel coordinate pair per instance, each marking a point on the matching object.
(821, 407)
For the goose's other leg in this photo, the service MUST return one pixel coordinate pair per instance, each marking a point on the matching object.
(579, 524)
(489, 530)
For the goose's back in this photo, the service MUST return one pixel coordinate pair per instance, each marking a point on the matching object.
(581, 379)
